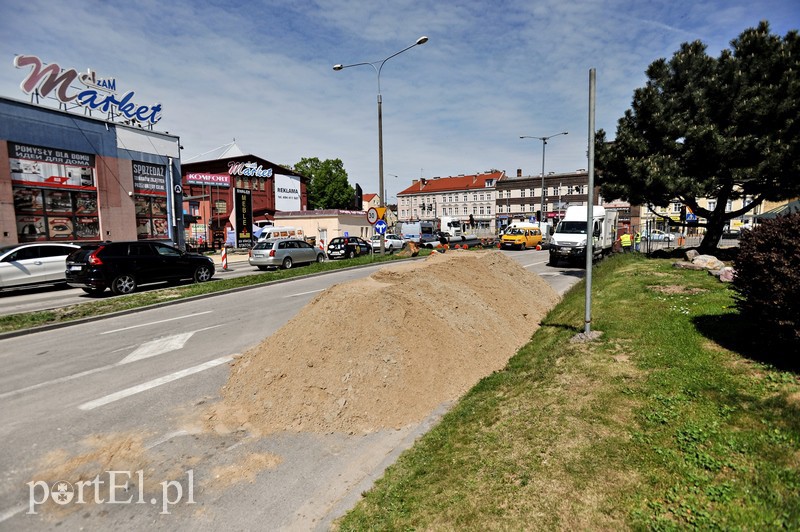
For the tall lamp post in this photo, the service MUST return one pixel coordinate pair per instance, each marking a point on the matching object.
(377, 69)
(544, 145)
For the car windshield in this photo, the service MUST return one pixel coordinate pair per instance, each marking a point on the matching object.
(515, 232)
(572, 228)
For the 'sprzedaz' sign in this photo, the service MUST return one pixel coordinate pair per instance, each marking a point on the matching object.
(99, 94)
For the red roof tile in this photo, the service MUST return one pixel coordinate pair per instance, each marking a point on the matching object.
(455, 183)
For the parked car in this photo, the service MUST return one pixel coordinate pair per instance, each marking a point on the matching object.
(348, 247)
(656, 235)
(122, 266)
(34, 262)
(283, 253)
(521, 238)
(391, 242)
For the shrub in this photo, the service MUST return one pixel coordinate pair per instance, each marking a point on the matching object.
(767, 280)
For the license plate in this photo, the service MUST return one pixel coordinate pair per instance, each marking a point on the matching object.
(565, 249)
(75, 268)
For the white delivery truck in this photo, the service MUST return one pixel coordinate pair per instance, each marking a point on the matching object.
(569, 240)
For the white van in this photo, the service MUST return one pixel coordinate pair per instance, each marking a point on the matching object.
(281, 232)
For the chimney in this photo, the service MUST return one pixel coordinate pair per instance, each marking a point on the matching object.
(519, 172)
(414, 181)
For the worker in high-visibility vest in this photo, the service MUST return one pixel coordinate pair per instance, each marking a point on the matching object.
(637, 240)
(626, 240)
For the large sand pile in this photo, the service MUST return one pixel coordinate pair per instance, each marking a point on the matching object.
(385, 351)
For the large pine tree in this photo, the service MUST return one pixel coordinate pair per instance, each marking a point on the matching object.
(719, 128)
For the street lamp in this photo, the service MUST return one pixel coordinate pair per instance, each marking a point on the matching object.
(377, 69)
(544, 144)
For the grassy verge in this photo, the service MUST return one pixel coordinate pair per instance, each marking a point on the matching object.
(662, 423)
(99, 307)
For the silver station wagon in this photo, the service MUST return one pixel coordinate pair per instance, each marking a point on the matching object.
(283, 253)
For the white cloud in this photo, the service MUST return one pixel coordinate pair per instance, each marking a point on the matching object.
(261, 71)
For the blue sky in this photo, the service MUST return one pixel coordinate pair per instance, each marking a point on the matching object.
(261, 72)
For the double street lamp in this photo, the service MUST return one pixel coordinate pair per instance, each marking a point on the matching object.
(544, 145)
(377, 69)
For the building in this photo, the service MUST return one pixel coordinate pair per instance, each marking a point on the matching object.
(520, 197)
(72, 177)
(468, 198)
(324, 224)
(258, 188)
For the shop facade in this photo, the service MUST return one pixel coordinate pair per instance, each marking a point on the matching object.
(69, 177)
(229, 195)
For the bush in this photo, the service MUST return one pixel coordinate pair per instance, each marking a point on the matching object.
(768, 280)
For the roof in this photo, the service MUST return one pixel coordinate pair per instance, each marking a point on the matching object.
(223, 152)
(452, 184)
(368, 197)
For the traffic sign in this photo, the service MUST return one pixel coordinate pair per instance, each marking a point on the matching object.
(380, 227)
(372, 215)
(381, 212)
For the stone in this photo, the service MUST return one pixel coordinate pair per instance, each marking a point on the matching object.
(709, 262)
(691, 254)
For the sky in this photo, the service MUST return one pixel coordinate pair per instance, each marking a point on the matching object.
(260, 72)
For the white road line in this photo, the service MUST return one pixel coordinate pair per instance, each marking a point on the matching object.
(133, 390)
(11, 512)
(305, 293)
(533, 264)
(156, 322)
(56, 381)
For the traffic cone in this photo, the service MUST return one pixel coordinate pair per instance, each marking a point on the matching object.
(225, 257)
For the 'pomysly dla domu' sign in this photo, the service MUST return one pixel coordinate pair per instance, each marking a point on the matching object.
(100, 94)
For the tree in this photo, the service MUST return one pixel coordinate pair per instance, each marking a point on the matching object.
(720, 128)
(328, 187)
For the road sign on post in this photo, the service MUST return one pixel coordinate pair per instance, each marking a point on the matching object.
(380, 227)
(372, 215)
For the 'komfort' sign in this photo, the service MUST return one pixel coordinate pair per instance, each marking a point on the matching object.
(98, 94)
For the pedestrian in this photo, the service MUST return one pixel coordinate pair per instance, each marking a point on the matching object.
(626, 240)
(637, 240)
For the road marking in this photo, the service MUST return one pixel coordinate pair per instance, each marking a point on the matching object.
(146, 350)
(56, 381)
(305, 293)
(8, 514)
(534, 264)
(157, 322)
(133, 390)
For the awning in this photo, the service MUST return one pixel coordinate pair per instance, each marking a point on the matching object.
(784, 210)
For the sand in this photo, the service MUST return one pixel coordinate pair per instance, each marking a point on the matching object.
(385, 351)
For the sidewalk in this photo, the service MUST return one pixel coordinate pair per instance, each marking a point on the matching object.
(232, 257)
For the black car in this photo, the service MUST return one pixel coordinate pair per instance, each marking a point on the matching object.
(122, 266)
(347, 247)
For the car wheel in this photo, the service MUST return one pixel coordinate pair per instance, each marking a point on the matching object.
(93, 291)
(287, 263)
(202, 274)
(123, 284)
(351, 254)
(320, 258)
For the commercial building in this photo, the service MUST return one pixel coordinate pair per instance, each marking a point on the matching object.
(468, 198)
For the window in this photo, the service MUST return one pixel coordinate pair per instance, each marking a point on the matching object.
(522, 193)
(481, 197)
(465, 209)
(712, 205)
(481, 209)
(465, 198)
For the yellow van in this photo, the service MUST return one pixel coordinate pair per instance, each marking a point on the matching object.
(521, 238)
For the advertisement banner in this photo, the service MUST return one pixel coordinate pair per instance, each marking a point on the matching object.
(243, 215)
(149, 178)
(48, 167)
(219, 180)
(287, 193)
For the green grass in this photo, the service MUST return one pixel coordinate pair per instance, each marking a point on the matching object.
(660, 424)
(99, 307)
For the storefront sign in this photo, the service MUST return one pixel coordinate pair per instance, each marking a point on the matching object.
(98, 94)
(243, 216)
(287, 193)
(248, 169)
(149, 178)
(223, 180)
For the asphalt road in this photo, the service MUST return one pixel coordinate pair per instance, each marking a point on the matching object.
(146, 375)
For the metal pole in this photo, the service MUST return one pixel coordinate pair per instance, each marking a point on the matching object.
(382, 203)
(590, 208)
(541, 213)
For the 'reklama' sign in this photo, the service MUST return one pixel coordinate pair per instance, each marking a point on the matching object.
(99, 94)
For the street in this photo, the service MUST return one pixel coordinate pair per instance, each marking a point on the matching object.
(139, 381)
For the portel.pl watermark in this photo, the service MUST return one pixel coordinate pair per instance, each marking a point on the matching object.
(111, 487)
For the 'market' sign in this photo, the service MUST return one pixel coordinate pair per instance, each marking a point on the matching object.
(96, 94)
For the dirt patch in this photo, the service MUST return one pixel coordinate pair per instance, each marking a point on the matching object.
(676, 289)
(385, 351)
(245, 469)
